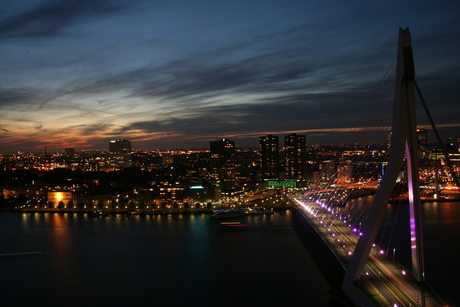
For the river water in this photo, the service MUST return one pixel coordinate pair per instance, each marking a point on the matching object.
(180, 260)
(187, 260)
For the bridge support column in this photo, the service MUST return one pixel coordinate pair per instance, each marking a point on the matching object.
(403, 142)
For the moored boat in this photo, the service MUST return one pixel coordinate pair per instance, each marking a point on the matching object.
(227, 213)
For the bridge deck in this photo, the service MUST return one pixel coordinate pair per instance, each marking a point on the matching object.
(384, 281)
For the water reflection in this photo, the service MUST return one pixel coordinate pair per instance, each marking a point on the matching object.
(153, 256)
(63, 251)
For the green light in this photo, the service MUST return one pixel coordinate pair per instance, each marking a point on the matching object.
(281, 184)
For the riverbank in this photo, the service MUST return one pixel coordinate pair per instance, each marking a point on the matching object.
(106, 211)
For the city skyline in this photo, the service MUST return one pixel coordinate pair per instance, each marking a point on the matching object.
(172, 74)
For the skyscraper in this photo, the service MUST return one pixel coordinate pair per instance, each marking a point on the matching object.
(223, 162)
(422, 142)
(269, 155)
(295, 156)
(120, 153)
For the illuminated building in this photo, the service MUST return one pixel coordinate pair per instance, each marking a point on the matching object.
(204, 193)
(422, 139)
(295, 156)
(167, 159)
(453, 149)
(56, 198)
(269, 154)
(223, 162)
(120, 153)
(422, 142)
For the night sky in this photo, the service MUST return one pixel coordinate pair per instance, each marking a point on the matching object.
(79, 73)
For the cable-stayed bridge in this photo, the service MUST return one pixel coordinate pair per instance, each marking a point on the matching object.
(384, 282)
(369, 274)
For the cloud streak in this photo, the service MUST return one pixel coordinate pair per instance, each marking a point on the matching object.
(49, 18)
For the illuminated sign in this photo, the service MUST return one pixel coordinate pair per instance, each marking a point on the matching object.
(281, 184)
(196, 187)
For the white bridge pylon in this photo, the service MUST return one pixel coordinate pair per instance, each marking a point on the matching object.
(403, 142)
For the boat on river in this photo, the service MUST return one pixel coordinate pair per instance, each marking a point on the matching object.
(227, 213)
(238, 212)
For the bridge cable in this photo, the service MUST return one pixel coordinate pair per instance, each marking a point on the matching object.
(374, 112)
(435, 130)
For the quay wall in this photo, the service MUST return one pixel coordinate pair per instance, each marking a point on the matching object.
(324, 258)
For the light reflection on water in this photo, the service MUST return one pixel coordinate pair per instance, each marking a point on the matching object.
(178, 260)
(189, 258)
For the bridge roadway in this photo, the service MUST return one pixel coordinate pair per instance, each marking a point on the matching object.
(384, 281)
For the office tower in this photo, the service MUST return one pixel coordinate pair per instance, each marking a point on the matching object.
(295, 156)
(269, 155)
(223, 162)
(70, 152)
(120, 153)
(452, 147)
(167, 159)
(422, 142)
(422, 139)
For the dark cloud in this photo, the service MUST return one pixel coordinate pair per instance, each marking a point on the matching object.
(87, 130)
(236, 71)
(192, 80)
(50, 17)
(16, 96)
(215, 73)
(26, 98)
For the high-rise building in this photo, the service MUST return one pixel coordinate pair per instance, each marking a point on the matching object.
(223, 162)
(295, 156)
(422, 141)
(120, 153)
(453, 149)
(70, 152)
(269, 155)
(422, 138)
(167, 159)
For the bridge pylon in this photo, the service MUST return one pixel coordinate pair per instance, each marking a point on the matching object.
(403, 144)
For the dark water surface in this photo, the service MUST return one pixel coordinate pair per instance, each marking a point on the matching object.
(186, 260)
(191, 260)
